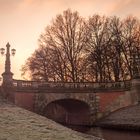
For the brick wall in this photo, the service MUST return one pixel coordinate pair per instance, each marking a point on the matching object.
(25, 100)
(107, 98)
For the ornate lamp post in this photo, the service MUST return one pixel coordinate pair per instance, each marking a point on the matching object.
(7, 75)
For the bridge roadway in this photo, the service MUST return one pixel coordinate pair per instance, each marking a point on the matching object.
(72, 103)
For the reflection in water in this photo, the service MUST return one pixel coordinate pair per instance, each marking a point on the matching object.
(108, 134)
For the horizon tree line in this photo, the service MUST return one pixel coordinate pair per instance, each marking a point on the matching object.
(72, 49)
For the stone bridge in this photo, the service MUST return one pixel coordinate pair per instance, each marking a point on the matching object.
(72, 103)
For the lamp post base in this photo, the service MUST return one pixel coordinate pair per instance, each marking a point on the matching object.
(7, 86)
(7, 79)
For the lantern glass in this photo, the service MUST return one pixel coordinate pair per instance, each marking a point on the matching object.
(13, 51)
(2, 51)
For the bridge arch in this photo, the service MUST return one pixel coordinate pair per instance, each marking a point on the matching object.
(68, 111)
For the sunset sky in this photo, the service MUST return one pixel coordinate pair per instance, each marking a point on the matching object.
(22, 21)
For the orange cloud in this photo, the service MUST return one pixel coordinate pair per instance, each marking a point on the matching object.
(126, 7)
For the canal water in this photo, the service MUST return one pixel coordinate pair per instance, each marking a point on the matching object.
(108, 134)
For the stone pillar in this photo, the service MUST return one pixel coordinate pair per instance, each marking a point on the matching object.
(7, 84)
(135, 87)
(135, 90)
(94, 107)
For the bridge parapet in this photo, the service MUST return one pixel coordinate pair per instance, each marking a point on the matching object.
(70, 86)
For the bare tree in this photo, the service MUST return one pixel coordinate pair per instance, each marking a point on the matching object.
(98, 39)
(66, 36)
(74, 50)
(111, 42)
(38, 65)
(62, 43)
(131, 38)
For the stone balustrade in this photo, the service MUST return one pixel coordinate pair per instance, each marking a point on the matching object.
(76, 86)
